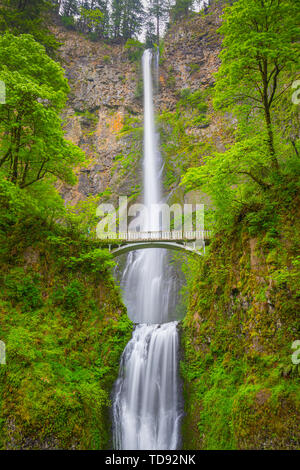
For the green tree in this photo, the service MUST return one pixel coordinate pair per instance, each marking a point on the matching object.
(70, 8)
(29, 17)
(150, 37)
(91, 19)
(133, 18)
(89, 16)
(181, 8)
(260, 58)
(116, 17)
(32, 144)
(127, 18)
(158, 10)
(102, 29)
(261, 44)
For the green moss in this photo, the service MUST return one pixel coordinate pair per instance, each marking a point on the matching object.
(180, 143)
(64, 328)
(25, 288)
(194, 67)
(241, 388)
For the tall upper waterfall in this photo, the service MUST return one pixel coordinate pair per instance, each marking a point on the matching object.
(145, 281)
(146, 406)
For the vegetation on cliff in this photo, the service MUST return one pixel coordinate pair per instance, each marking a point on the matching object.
(260, 59)
(61, 317)
(242, 389)
(64, 327)
(122, 20)
(32, 146)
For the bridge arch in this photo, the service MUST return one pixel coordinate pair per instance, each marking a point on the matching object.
(126, 248)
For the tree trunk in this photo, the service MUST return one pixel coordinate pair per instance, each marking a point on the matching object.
(270, 137)
(268, 120)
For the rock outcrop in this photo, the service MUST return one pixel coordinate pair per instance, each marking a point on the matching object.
(103, 92)
(190, 56)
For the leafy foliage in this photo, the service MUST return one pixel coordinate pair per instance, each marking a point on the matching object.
(180, 142)
(237, 338)
(135, 49)
(64, 329)
(259, 60)
(25, 289)
(29, 17)
(94, 261)
(33, 146)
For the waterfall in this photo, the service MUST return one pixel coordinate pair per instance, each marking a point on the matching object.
(146, 404)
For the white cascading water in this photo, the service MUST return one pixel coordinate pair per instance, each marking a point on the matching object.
(146, 405)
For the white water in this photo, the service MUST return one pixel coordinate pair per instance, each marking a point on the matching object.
(146, 407)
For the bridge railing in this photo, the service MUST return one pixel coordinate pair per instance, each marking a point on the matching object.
(156, 235)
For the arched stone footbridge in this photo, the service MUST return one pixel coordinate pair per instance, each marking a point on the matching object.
(189, 241)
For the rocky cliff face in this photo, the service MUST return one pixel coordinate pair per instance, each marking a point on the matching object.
(190, 56)
(103, 91)
(106, 92)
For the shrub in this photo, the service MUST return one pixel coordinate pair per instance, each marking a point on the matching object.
(25, 289)
(73, 295)
(68, 22)
(135, 49)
